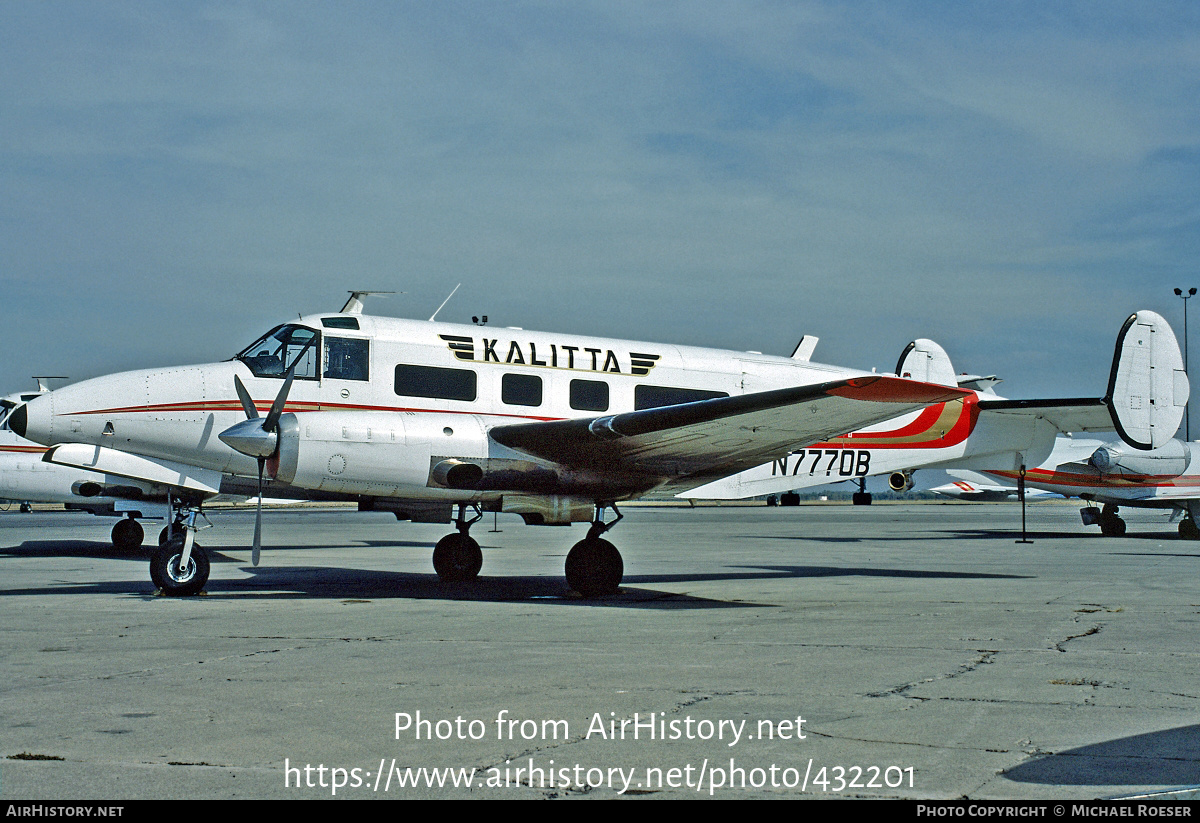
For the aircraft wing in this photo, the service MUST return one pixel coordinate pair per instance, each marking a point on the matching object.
(1072, 415)
(723, 435)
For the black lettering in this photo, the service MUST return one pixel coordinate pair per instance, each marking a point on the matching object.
(570, 350)
(489, 351)
(533, 361)
(846, 466)
(833, 453)
(594, 352)
(515, 349)
(863, 467)
(799, 461)
(611, 358)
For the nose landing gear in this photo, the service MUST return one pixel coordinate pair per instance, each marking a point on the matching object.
(179, 567)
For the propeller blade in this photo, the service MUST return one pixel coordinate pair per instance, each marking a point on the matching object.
(247, 402)
(272, 421)
(258, 517)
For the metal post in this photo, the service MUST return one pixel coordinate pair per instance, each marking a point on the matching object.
(1187, 412)
(1021, 496)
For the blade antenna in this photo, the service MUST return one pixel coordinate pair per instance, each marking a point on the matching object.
(444, 302)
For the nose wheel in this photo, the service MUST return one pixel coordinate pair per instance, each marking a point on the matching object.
(179, 568)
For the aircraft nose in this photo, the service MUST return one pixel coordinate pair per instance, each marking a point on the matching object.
(18, 421)
(32, 420)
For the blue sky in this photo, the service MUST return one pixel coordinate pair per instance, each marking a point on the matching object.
(1010, 179)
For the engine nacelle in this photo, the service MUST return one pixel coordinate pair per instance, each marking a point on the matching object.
(406, 455)
(900, 481)
(1118, 458)
(379, 453)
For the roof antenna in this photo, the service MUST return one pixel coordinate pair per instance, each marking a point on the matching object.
(444, 302)
(355, 304)
(41, 381)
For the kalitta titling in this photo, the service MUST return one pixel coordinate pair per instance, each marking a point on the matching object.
(552, 356)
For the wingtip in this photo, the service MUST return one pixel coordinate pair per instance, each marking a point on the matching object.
(883, 389)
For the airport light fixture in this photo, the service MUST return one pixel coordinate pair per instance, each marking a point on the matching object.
(1187, 424)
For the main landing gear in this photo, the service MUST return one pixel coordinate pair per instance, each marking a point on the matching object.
(457, 556)
(1188, 529)
(179, 567)
(127, 535)
(1106, 518)
(594, 566)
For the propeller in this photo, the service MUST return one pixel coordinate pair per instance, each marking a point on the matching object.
(258, 437)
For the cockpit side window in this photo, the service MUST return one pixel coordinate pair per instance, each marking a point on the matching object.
(347, 358)
(277, 350)
(6, 408)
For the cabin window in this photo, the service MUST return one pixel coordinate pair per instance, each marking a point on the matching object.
(347, 358)
(281, 348)
(521, 390)
(651, 397)
(438, 383)
(589, 395)
(340, 322)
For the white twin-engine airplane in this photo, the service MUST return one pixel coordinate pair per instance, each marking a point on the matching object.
(1147, 392)
(419, 417)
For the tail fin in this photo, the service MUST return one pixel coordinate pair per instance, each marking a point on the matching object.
(1148, 387)
(926, 361)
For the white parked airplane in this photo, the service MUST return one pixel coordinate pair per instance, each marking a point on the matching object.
(1147, 391)
(420, 417)
(1115, 475)
(973, 487)
(26, 478)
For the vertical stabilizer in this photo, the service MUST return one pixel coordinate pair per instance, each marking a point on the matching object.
(1148, 388)
(928, 362)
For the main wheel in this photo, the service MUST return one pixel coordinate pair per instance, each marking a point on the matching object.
(174, 580)
(1188, 529)
(1112, 526)
(127, 535)
(457, 557)
(594, 567)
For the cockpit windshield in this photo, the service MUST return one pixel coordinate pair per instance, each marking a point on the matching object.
(6, 407)
(277, 350)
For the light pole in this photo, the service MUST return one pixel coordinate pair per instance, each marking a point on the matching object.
(1187, 413)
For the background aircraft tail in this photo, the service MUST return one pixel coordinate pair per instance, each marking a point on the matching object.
(926, 361)
(1147, 388)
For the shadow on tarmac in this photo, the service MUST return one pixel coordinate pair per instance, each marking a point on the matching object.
(1168, 758)
(339, 583)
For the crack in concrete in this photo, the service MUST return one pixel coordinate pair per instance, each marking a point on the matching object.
(985, 658)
